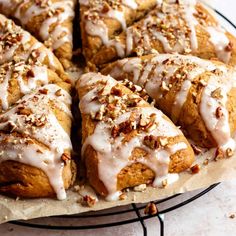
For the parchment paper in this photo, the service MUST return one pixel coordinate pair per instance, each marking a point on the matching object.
(214, 172)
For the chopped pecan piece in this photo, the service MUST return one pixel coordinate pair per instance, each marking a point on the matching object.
(105, 8)
(116, 91)
(151, 142)
(65, 157)
(150, 209)
(43, 91)
(229, 47)
(195, 169)
(24, 111)
(219, 112)
(126, 127)
(58, 93)
(30, 73)
(89, 201)
(115, 131)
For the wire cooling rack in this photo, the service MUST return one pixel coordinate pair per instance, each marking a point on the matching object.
(120, 215)
(116, 216)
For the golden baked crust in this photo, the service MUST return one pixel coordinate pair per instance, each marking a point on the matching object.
(135, 171)
(184, 28)
(49, 21)
(130, 11)
(190, 90)
(17, 179)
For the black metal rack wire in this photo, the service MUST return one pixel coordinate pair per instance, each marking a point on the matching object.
(124, 214)
(137, 210)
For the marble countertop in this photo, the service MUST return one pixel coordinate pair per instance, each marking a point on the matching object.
(213, 214)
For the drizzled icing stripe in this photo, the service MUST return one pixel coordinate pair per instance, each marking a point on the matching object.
(58, 12)
(38, 73)
(223, 80)
(112, 153)
(9, 52)
(49, 132)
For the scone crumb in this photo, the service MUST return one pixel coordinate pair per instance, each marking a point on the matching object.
(164, 183)
(195, 169)
(150, 209)
(229, 152)
(89, 201)
(140, 188)
(219, 154)
(123, 196)
(206, 162)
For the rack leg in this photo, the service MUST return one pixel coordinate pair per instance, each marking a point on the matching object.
(161, 219)
(140, 219)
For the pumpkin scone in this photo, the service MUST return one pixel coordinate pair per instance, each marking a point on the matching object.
(184, 26)
(50, 21)
(35, 145)
(102, 20)
(17, 45)
(126, 141)
(199, 95)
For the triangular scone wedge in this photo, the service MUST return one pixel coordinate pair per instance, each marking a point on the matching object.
(35, 145)
(126, 141)
(186, 27)
(50, 21)
(199, 95)
(100, 21)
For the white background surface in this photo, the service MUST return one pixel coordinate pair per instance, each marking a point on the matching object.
(208, 215)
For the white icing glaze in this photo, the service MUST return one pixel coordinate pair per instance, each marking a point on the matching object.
(52, 135)
(140, 75)
(130, 3)
(220, 42)
(113, 154)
